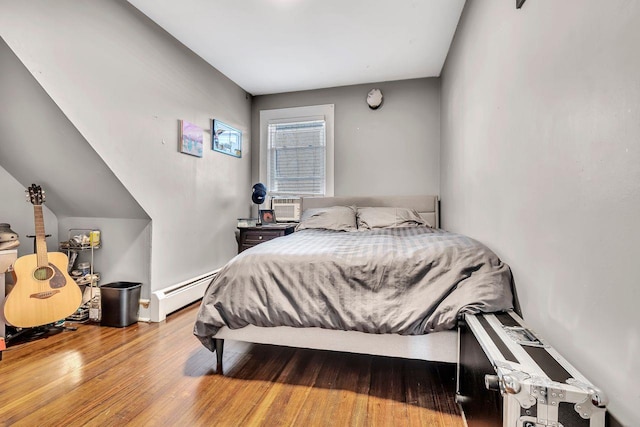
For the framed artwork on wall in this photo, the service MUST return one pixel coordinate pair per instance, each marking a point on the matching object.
(226, 139)
(191, 137)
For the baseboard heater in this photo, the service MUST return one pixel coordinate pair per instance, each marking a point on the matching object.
(174, 297)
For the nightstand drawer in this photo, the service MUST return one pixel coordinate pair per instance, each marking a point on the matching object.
(255, 237)
(251, 236)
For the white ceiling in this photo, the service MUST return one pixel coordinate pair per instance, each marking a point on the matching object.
(273, 46)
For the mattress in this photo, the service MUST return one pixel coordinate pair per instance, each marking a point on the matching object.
(407, 280)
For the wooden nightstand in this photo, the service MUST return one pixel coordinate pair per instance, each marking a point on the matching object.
(251, 236)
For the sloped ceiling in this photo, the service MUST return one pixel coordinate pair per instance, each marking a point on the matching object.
(38, 144)
(273, 46)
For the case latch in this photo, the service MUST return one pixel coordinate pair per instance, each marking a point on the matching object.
(523, 336)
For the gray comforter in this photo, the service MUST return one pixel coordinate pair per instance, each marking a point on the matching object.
(404, 280)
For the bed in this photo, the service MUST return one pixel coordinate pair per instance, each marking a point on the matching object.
(394, 291)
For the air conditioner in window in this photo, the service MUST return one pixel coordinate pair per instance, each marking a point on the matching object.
(287, 209)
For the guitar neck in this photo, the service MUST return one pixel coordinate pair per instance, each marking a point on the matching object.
(41, 241)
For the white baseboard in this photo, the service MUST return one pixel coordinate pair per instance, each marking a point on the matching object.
(174, 297)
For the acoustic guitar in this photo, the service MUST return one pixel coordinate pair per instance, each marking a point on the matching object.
(44, 292)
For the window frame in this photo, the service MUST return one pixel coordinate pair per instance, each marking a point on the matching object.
(284, 115)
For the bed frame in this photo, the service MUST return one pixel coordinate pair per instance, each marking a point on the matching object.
(436, 346)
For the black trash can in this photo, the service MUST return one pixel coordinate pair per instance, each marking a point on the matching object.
(120, 303)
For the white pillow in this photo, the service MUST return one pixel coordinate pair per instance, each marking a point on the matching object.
(341, 218)
(383, 217)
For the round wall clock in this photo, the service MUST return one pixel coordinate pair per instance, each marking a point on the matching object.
(374, 99)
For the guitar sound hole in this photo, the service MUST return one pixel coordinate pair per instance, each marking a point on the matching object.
(43, 273)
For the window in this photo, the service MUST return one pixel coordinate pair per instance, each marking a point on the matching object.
(296, 157)
(297, 151)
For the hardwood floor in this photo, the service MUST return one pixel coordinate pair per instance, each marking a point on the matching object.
(159, 374)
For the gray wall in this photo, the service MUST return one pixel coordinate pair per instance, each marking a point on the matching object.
(39, 144)
(541, 161)
(392, 150)
(124, 253)
(124, 83)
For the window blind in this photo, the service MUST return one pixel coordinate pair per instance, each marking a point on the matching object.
(297, 157)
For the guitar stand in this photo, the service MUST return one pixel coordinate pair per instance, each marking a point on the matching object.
(23, 335)
(33, 236)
